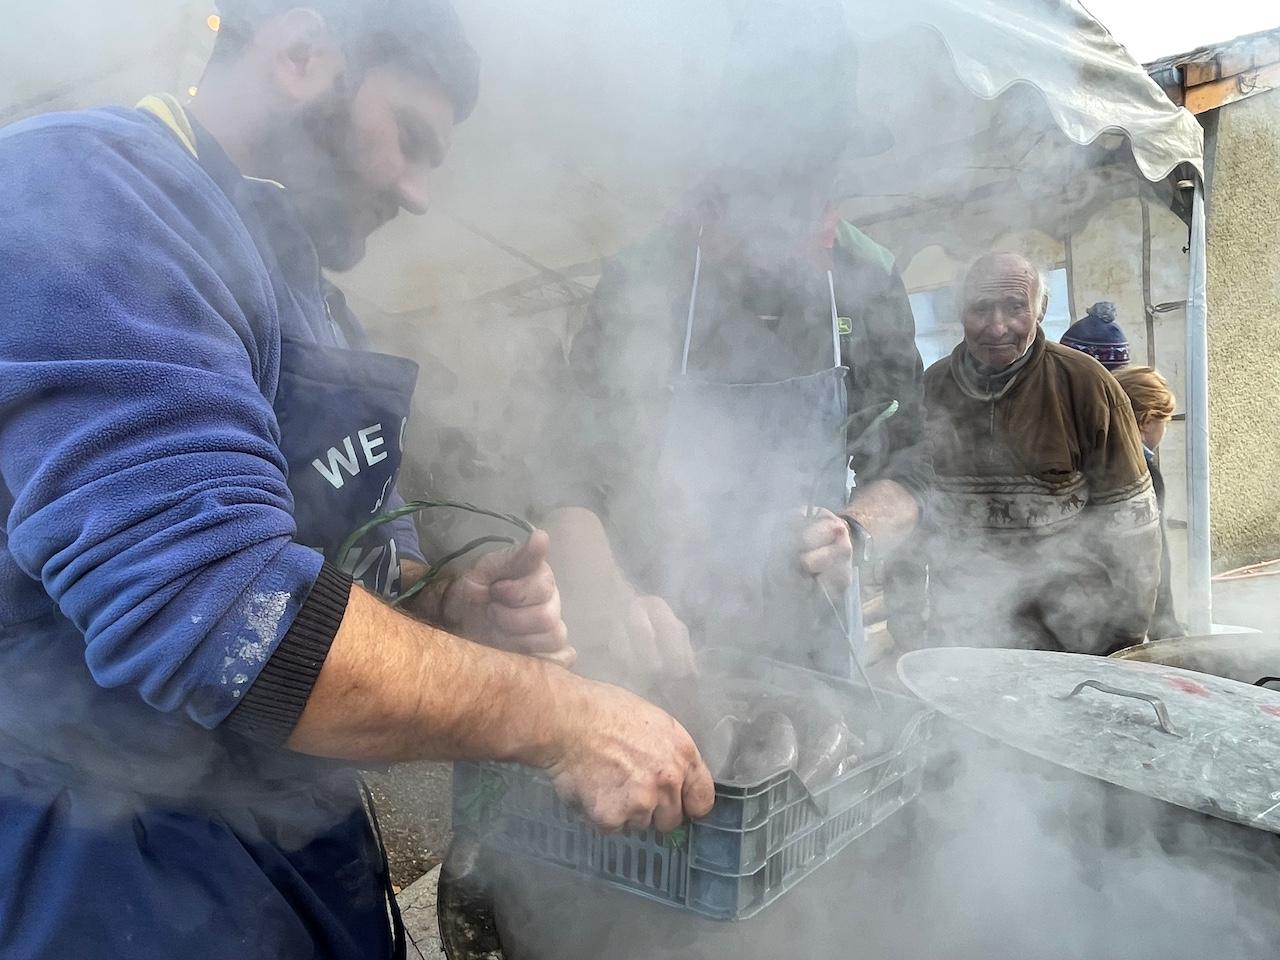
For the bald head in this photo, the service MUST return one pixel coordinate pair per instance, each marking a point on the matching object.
(1004, 301)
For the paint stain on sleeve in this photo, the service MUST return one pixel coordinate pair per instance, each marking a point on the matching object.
(256, 641)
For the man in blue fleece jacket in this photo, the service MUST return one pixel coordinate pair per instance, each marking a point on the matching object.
(190, 425)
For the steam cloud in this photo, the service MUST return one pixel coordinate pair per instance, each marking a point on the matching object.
(580, 146)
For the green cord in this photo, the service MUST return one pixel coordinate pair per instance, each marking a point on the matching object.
(420, 506)
(886, 414)
(881, 417)
(678, 838)
(434, 570)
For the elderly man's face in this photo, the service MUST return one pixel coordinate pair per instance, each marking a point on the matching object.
(1001, 309)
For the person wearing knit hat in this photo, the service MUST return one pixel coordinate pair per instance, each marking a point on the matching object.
(1100, 337)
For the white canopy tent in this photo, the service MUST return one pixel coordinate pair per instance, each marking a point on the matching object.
(1008, 117)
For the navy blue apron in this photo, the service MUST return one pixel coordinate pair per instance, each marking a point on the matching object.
(342, 414)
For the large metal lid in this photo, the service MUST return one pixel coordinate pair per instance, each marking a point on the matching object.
(1190, 739)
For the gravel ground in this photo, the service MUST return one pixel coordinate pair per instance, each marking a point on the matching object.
(413, 810)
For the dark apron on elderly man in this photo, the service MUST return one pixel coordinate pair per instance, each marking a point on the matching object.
(181, 841)
(739, 466)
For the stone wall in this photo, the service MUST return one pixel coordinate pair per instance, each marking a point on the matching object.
(1244, 332)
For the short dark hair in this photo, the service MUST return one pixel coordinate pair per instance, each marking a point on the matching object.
(425, 36)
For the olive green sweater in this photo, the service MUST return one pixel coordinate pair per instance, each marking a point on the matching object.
(1042, 527)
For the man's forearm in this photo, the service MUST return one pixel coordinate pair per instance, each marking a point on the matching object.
(594, 591)
(578, 537)
(888, 512)
(394, 689)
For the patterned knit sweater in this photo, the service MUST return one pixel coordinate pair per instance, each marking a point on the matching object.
(1042, 528)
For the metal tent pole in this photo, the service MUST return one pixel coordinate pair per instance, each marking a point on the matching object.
(1199, 554)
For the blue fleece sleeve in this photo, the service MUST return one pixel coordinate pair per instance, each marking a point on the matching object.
(137, 352)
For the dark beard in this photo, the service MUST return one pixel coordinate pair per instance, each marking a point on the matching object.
(311, 154)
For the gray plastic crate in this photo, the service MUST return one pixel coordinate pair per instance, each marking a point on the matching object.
(758, 841)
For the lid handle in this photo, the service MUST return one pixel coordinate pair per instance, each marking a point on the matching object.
(1162, 715)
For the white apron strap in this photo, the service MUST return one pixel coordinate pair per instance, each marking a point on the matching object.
(693, 306)
(835, 317)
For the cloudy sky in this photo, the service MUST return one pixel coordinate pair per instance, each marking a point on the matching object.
(1158, 28)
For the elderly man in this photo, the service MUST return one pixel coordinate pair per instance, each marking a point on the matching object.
(1043, 525)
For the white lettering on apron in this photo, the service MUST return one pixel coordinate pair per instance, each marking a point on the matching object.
(369, 443)
(393, 571)
(382, 498)
(358, 562)
(332, 472)
(370, 440)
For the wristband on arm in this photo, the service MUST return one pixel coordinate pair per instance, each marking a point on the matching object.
(861, 539)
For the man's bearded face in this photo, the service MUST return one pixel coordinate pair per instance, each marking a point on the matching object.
(352, 160)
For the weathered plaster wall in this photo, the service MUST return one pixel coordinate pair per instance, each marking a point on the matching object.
(1244, 331)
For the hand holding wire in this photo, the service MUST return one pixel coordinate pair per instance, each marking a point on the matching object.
(826, 551)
